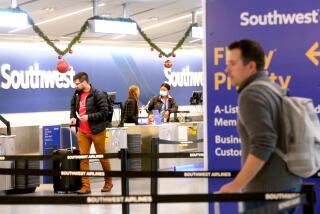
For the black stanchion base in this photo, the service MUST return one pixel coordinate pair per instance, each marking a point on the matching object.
(21, 191)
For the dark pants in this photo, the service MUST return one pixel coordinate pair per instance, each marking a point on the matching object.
(258, 204)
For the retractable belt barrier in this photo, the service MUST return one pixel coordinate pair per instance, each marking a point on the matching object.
(101, 156)
(100, 199)
(202, 174)
(129, 174)
(282, 201)
(161, 141)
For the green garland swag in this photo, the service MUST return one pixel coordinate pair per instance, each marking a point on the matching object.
(84, 27)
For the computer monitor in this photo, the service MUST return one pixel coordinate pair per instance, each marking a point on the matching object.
(142, 120)
(196, 98)
(112, 96)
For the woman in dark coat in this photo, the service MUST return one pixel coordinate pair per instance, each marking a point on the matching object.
(131, 105)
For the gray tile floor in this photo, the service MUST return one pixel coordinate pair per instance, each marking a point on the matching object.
(137, 186)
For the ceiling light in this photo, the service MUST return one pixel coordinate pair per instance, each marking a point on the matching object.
(163, 23)
(167, 22)
(57, 18)
(197, 32)
(13, 19)
(113, 26)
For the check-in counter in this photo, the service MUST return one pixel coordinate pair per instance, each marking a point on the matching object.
(146, 132)
(7, 147)
(185, 137)
(178, 137)
(116, 138)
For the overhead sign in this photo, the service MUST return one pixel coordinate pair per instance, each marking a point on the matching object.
(34, 78)
(29, 81)
(289, 32)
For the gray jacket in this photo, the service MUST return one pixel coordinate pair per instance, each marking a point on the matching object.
(259, 129)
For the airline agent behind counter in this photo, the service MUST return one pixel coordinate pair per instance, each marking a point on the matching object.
(164, 103)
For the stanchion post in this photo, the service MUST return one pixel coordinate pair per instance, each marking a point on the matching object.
(124, 180)
(309, 207)
(154, 167)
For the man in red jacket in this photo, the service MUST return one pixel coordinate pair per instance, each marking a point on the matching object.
(89, 110)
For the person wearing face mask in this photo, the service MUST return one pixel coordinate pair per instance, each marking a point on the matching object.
(131, 106)
(164, 103)
(88, 112)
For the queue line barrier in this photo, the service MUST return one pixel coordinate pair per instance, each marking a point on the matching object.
(284, 200)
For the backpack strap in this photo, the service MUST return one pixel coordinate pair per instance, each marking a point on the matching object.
(281, 94)
(270, 86)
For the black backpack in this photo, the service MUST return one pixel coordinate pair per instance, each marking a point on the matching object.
(110, 108)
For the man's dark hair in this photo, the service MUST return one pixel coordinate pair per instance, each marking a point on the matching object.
(250, 51)
(166, 85)
(81, 76)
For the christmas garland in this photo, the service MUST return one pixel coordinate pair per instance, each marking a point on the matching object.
(84, 27)
(178, 45)
(50, 43)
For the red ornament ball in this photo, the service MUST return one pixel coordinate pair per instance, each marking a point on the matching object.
(59, 57)
(160, 55)
(70, 51)
(167, 64)
(173, 55)
(63, 66)
(152, 49)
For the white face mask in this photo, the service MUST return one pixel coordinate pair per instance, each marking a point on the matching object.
(163, 93)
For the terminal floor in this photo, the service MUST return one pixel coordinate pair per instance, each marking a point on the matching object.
(137, 186)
